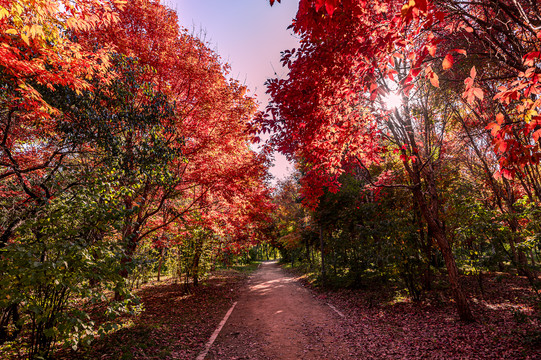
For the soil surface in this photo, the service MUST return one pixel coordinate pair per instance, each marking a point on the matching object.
(276, 318)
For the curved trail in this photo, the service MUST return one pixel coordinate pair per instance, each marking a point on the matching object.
(276, 318)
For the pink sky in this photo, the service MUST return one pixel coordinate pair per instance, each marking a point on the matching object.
(247, 34)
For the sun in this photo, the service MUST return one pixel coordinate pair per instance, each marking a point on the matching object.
(392, 101)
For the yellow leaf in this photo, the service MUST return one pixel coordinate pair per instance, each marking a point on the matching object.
(529, 114)
(72, 23)
(25, 39)
(406, 7)
(4, 13)
(17, 8)
(37, 31)
(11, 32)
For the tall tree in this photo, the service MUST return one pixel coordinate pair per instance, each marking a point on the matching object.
(335, 108)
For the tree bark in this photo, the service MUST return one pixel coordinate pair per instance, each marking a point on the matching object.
(437, 229)
(160, 264)
(196, 259)
(462, 305)
(322, 249)
(11, 312)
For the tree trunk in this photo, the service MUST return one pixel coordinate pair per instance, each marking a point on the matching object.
(196, 259)
(160, 264)
(426, 245)
(430, 211)
(519, 257)
(322, 249)
(462, 305)
(9, 313)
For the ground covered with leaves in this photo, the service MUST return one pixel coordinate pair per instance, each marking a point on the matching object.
(175, 324)
(379, 320)
(386, 324)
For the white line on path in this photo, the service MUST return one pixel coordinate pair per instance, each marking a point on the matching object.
(215, 334)
(336, 310)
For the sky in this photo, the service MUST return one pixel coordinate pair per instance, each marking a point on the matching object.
(249, 35)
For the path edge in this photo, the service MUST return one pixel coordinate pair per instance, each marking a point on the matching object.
(208, 345)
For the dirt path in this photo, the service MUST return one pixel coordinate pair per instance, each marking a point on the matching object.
(276, 318)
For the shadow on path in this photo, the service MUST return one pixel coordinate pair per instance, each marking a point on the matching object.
(276, 318)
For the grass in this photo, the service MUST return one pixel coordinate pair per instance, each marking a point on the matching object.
(244, 268)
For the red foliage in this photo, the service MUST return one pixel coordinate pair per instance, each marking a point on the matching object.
(220, 180)
(217, 174)
(36, 55)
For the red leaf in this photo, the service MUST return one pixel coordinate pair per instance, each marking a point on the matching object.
(408, 88)
(473, 72)
(478, 93)
(507, 174)
(502, 148)
(330, 6)
(421, 5)
(432, 49)
(530, 57)
(448, 62)
(415, 72)
(494, 128)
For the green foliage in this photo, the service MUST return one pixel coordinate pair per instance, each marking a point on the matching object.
(129, 123)
(143, 264)
(368, 235)
(372, 233)
(59, 263)
(65, 254)
(481, 234)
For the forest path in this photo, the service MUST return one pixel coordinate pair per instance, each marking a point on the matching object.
(276, 318)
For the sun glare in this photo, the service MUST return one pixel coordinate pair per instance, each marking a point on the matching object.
(392, 101)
